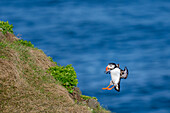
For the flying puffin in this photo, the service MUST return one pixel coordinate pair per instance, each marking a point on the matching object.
(116, 75)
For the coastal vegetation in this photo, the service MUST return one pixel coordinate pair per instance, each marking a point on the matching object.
(5, 27)
(32, 82)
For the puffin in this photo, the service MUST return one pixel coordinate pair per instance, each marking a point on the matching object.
(116, 75)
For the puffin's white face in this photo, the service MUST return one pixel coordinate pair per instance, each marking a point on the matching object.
(110, 66)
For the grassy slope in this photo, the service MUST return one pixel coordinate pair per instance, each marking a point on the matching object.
(24, 84)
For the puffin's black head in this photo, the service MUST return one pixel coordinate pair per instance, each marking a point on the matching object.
(111, 66)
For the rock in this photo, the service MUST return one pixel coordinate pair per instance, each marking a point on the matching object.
(77, 90)
(84, 102)
(76, 95)
(92, 103)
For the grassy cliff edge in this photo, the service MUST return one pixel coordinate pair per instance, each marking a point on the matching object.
(27, 86)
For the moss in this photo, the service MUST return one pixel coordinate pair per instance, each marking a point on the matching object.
(87, 97)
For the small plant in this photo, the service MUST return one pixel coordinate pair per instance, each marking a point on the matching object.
(87, 97)
(50, 58)
(3, 57)
(2, 45)
(25, 43)
(4, 27)
(66, 75)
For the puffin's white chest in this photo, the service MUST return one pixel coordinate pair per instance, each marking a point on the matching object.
(115, 75)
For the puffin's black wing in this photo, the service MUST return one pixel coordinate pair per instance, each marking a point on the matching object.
(124, 73)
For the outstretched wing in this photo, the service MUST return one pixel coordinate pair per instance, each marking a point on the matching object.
(124, 73)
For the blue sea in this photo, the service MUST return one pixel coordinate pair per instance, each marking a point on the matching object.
(89, 34)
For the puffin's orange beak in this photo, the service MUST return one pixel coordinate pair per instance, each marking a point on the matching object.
(106, 68)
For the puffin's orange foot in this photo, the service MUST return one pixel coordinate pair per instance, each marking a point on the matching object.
(109, 88)
(105, 88)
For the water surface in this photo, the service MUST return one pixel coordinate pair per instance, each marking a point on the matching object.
(92, 33)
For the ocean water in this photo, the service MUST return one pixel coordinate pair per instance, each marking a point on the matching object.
(90, 34)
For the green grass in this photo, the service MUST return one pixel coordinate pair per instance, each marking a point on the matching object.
(87, 97)
(25, 43)
(65, 75)
(6, 27)
(50, 58)
(2, 45)
(3, 57)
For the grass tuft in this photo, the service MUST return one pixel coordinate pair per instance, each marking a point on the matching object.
(87, 97)
(6, 27)
(25, 43)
